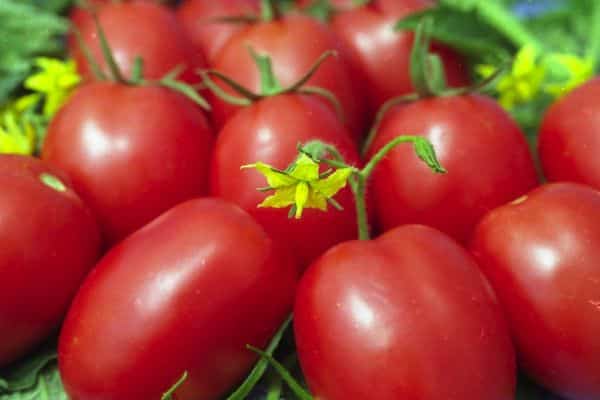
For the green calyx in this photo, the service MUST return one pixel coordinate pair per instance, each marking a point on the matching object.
(53, 182)
(115, 74)
(269, 84)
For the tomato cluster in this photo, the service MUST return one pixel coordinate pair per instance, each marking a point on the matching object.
(138, 235)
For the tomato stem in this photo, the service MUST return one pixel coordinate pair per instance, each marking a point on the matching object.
(268, 12)
(115, 71)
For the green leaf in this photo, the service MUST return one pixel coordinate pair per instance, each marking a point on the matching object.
(34, 378)
(26, 31)
(462, 30)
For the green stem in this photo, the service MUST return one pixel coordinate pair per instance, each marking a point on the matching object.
(115, 71)
(359, 189)
(268, 13)
(496, 15)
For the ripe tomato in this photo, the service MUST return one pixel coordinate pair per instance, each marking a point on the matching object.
(569, 141)
(131, 152)
(405, 316)
(142, 29)
(486, 155)
(208, 36)
(541, 255)
(185, 293)
(382, 55)
(49, 242)
(269, 131)
(294, 44)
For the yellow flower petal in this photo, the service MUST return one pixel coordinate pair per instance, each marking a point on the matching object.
(275, 179)
(282, 198)
(305, 169)
(525, 61)
(335, 182)
(301, 198)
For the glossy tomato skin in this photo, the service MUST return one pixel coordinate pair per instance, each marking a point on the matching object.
(405, 316)
(131, 152)
(294, 44)
(209, 37)
(541, 255)
(269, 131)
(50, 240)
(140, 29)
(382, 55)
(568, 139)
(484, 151)
(185, 293)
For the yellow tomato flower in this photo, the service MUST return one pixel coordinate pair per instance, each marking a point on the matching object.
(524, 80)
(55, 81)
(301, 186)
(573, 69)
(17, 136)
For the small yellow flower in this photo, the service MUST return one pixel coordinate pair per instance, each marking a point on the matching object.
(523, 82)
(17, 136)
(55, 81)
(573, 71)
(301, 186)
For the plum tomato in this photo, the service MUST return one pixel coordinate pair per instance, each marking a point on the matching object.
(132, 152)
(382, 55)
(540, 253)
(488, 160)
(293, 43)
(210, 36)
(405, 316)
(568, 141)
(185, 293)
(269, 131)
(139, 29)
(50, 240)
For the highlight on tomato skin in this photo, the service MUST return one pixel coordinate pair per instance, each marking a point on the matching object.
(50, 241)
(540, 254)
(132, 152)
(393, 317)
(185, 293)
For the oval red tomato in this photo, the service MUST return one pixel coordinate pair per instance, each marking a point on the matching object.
(269, 131)
(541, 255)
(210, 36)
(487, 157)
(294, 44)
(50, 241)
(382, 55)
(568, 141)
(131, 152)
(405, 316)
(140, 29)
(185, 293)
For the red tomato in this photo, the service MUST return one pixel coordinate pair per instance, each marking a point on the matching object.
(294, 44)
(569, 142)
(208, 36)
(487, 157)
(405, 316)
(269, 131)
(382, 55)
(132, 152)
(541, 255)
(49, 242)
(142, 29)
(185, 293)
